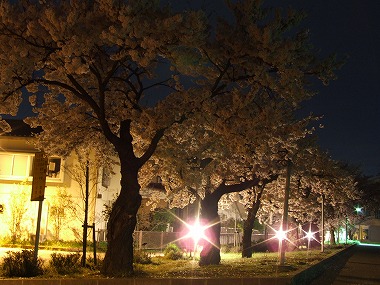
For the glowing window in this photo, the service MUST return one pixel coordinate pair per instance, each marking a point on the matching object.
(15, 166)
(54, 169)
(6, 161)
(18, 166)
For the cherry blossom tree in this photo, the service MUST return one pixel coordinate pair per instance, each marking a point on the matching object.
(316, 179)
(227, 151)
(98, 66)
(107, 75)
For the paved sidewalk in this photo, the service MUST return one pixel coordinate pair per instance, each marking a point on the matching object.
(361, 267)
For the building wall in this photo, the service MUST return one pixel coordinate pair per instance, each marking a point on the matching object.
(63, 204)
(374, 233)
(64, 194)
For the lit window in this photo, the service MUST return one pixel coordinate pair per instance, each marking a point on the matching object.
(6, 162)
(54, 169)
(20, 165)
(15, 166)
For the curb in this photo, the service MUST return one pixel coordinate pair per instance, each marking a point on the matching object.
(314, 271)
(151, 281)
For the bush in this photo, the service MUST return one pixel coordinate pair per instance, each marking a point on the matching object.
(142, 257)
(21, 264)
(65, 263)
(230, 248)
(173, 252)
(90, 263)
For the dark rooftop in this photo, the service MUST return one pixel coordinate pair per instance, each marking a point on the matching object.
(21, 129)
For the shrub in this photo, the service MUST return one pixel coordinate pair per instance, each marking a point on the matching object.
(65, 263)
(173, 252)
(21, 264)
(230, 248)
(142, 257)
(90, 263)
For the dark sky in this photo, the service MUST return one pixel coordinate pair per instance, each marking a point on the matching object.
(351, 104)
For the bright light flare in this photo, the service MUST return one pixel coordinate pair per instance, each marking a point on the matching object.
(309, 235)
(196, 232)
(280, 234)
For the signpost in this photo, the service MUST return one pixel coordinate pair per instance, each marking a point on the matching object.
(38, 191)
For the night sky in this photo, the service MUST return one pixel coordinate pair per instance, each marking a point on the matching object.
(351, 104)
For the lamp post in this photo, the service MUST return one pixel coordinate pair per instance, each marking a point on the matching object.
(359, 210)
(346, 228)
(284, 225)
(323, 224)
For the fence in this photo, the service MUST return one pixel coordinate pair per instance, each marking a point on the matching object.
(159, 240)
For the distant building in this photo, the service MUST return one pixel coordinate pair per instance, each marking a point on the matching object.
(18, 214)
(62, 212)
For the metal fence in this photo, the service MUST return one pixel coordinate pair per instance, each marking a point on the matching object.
(159, 240)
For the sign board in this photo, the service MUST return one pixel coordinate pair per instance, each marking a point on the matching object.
(39, 176)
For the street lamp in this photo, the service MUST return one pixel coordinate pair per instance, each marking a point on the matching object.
(284, 226)
(359, 210)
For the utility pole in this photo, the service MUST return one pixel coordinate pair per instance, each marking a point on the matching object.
(284, 226)
(85, 223)
(323, 224)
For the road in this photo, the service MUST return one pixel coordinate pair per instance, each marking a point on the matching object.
(362, 268)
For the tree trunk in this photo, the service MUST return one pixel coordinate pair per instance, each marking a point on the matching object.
(332, 235)
(118, 260)
(210, 253)
(247, 249)
(248, 226)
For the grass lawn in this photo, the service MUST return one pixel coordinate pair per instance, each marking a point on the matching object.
(232, 265)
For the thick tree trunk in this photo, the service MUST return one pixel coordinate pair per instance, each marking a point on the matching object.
(118, 260)
(210, 254)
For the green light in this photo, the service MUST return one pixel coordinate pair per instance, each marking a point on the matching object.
(358, 209)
